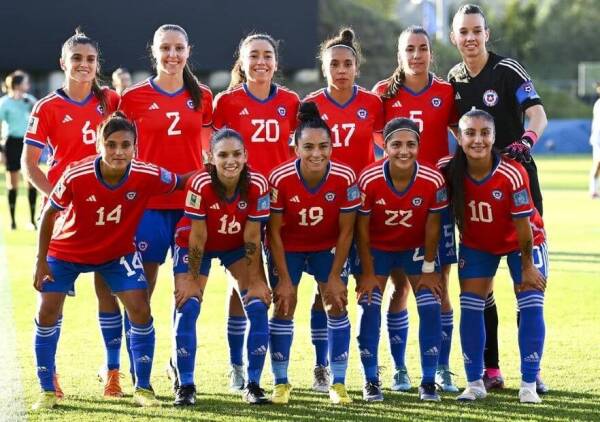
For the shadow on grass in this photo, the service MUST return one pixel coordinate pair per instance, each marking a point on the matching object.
(307, 405)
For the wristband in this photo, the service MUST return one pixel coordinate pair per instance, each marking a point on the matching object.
(530, 134)
(428, 267)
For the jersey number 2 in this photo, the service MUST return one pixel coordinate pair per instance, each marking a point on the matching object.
(172, 129)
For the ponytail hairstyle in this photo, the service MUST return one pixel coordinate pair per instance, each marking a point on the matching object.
(13, 80)
(237, 73)
(190, 82)
(345, 39)
(115, 122)
(469, 9)
(396, 80)
(457, 169)
(243, 185)
(81, 38)
(400, 124)
(309, 118)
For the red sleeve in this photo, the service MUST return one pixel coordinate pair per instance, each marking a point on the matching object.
(294, 114)
(219, 111)
(439, 200)
(207, 107)
(379, 118)
(259, 199)
(194, 206)
(61, 195)
(521, 202)
(276, 198)
(351, 197)
(165, 182)
(37, 130)
(112, 100)
(366, 199)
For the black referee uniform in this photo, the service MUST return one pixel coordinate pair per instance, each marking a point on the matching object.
(504, 89)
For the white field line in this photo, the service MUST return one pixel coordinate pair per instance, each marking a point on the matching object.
(12, 407)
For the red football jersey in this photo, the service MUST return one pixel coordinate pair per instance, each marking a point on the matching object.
(100, 220)
(265, 125)
(352, 125)
(492, 203)
(432, 109)
(169, 131)
(311, 216)
(68, 127)
(225, 220)
(398, 219)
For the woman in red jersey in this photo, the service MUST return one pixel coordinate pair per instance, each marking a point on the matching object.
(413, 91)
(264, 114)
(66, 121)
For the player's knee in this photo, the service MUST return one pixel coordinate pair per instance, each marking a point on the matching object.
(48, 313)
(139, 312)
(278, 312)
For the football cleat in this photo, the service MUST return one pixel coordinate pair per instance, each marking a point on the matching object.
(528, 395)
(540, 386)
(428, 392)
(46, 400)
(401, 380)
(475, 390)
(372, 391)
(322, 379)
(185, 395)
(145, 397)
(338, 394)
(172, 375)
(236, 378)
(112, 382)
(281, 393)
(493, 382)
(253, 394)
(57, 390)
(443, 378)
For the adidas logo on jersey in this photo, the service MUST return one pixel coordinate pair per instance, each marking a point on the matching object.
(295, 199)
(534, 357)
(432, 352)
(324, 117)
(244, 112)
(215, 206)
(153, 106)
(262, 350)
(397, 104)
(457, 96)
(380, 202)
(91, 198)
(67, 119)
(142, 277)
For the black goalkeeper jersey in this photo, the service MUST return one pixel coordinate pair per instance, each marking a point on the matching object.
(502, 88)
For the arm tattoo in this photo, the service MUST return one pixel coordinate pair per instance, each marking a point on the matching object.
(250, 249)
(528, 252)
(194, 261)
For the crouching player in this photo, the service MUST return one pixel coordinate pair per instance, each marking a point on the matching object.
(496, 217)
(100, 200)
(314, 202)
(226, 204)
(399, 228)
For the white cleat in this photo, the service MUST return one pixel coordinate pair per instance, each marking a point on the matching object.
(529, 395)
(474, 391)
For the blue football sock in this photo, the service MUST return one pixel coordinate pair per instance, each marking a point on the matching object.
(430, 333)
(127, 329)
(397, 324)
(447, 328)
(111, 326)
(338, 331)
(369, 327)
(472, 334)
(236, 330)
(318, 333)
(184, 326)
(45, 341)
(532, 331)
(281, 333)
(142, 348)
(258, 337)
(58, 331)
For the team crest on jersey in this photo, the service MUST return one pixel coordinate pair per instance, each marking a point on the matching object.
(417, 201)
(330, 196)
(192, 200)
(497, 194)
(100, 109)
(242, 205)
(131, 195)
(142, 246)
(190, 103)
(362, 113)
(165, 176)
(282, 111)
(436, 102)
(490, 98)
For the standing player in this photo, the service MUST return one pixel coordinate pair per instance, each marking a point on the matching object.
(264, 114)
(314, 202)
(399, 227)
(15, 108)
(172, 111)
(595, 143)
(121, 80)
(226, 203)
(101, 200)
(355, 117)
(413, 91)
(495, 215)
(66, 121)
(502, 87)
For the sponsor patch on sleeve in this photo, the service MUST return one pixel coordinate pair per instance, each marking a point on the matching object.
(166, 176)
(526, 92)
(33, 124)
(59, 189)
(441, 195)
(521, 198)
(353, 193)
(264, 203)
(192, 200)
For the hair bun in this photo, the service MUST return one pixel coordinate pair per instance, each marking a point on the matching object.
(308, 111)
(347, 35)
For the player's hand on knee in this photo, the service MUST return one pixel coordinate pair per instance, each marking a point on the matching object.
(186, 289)
(284, 296)
(42, 274)
(335, 294)
(365, 286)
(433, 282)
(532, 279)
(259, 290)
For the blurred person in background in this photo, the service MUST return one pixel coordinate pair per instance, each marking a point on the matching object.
(121, 80)
(595, 142)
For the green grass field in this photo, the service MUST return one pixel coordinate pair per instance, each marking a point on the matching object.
(571, 364)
